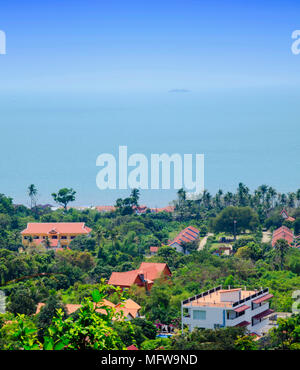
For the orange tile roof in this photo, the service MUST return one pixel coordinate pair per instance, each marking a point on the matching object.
(283, 233)
(105, 208)
(129, 307)
(126, 278)
(188, 234)
(152, 271)
(56, 228)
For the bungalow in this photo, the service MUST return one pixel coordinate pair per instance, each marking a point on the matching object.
(129, 308)
(55, 234)
(285, 215)
(187, 235)
(144, 276)
(283, 233)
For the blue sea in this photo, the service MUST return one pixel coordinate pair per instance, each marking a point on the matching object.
(52, 140)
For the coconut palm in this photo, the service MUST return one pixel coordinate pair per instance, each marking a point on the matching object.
(32, 192)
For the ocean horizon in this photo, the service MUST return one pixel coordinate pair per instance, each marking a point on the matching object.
(249, 135)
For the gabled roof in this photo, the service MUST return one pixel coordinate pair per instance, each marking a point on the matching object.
(132, 348)
(129, 307)
(286, 216)
(56, 228)
(188, 234)
(283, 232)
(152, 271)
(127, 278)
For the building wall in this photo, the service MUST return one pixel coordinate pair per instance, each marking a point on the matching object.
(63, 242)
(218, 316)
(214, 316)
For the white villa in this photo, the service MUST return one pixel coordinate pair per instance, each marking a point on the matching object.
(219, 307)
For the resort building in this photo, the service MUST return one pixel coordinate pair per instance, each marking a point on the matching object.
(53, 234)
(143, 277)
(219, 307)
(283, 233)
(187, 235)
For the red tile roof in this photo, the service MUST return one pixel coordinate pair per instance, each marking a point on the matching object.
(283, 233)
(286, 216)
(129, 307)
(151, 271)
(169, 209)
(188, 234)
(56, 228)
(127, 278)
(154, 249)
(132, 347)
(105, 208)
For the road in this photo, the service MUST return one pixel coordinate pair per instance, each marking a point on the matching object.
(203, 241)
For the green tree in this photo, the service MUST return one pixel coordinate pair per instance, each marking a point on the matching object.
(245, 343)
(64, 197)
(281, 250)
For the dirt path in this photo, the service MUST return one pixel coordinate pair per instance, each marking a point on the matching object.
(203, 241)
(266, 238)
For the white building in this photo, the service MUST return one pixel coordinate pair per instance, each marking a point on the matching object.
(232, 307)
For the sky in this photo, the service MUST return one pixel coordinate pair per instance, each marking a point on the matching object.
(81, 78)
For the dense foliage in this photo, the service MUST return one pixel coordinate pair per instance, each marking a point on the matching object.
(120, 241)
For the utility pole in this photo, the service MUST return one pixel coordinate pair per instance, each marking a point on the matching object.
(234, 229)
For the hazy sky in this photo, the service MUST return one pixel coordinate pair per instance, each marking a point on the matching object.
(83, 77)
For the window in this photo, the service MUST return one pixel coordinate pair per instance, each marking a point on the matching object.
(72, 237)
(54, 237)
(199, 315)
(36, 237)
(63, 237)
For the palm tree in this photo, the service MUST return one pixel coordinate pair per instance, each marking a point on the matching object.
(281, 249)
(272, 193)
(135, 195)
(243, 195)
(99, 234)
(32, 192)
(291, 200)
(298, 197)
(263, 189)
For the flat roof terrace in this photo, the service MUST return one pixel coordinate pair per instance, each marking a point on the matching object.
(214, 298)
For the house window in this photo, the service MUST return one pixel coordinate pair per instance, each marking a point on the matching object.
(72, 237)
(199, 315)
(54, 237)
(63, 237)
(36, 237)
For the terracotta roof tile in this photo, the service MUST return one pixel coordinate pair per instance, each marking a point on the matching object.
(56, 228)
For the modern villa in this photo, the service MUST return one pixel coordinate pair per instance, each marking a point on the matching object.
(219, 307)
